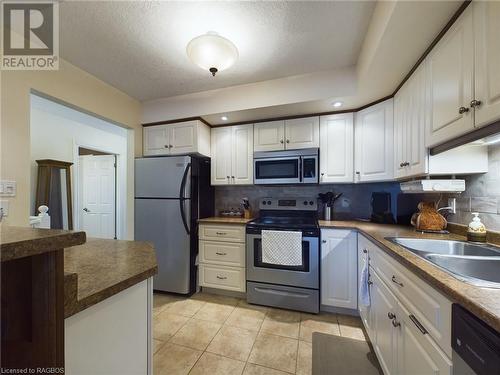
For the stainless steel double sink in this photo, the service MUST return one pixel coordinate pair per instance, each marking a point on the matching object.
(475, 264)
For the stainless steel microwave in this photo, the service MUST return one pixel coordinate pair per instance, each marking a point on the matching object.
(286, 167)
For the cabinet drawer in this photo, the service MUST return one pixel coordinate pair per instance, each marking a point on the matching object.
(431, 308)
(221, 277)
(232, 233)
(225, 253)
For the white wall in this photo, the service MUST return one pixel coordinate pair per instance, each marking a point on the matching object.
(57, 131)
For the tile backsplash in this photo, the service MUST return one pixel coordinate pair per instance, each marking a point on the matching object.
(354, 203)
(482, 194)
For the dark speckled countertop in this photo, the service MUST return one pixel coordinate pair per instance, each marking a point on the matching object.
(483, 302)
(93, 270)
(21, 242)
(101, 268)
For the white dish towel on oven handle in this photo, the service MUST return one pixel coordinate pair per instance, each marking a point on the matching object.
(282, 247)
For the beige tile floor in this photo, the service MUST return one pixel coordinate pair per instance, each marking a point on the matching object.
(212, 334)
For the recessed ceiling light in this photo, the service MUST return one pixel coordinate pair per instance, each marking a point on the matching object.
(212, 52)
(224, 118)
(337, 104)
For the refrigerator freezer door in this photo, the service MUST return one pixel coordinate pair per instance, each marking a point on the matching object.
(159, 221)
(161, 177)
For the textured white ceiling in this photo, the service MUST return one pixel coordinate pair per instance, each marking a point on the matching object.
(139, 47)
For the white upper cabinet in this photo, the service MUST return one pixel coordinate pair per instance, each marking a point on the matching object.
(221, 147)
(302, 133)
(450, 82)
(183, 137)
(487, 61)
(286, 135)
(232, 155)
(269, 136)
(179, 138)
(339, 268)
(374, 143)
(155, 140)
(242, 155)
(336, 148)
(410, 152)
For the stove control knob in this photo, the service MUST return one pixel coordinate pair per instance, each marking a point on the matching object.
(311, 203)
(268, 202)
(264, 203)
(305, 203)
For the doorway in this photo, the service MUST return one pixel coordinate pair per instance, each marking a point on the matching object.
(97, 198)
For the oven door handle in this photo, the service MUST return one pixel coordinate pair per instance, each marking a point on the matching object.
(281, 292)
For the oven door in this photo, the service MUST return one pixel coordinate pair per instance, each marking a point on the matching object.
(277, 170)
(305, 276)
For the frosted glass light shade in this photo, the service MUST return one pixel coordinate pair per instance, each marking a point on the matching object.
(212, 52)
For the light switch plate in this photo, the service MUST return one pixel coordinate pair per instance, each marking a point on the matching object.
(8, 188)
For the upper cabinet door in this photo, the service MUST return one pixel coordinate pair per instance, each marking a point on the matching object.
(221, 147)
(401, 100)
(269, 136)
(450, 82)
(242, 155)
(410, 153)
(302, 133)
(183, 137)
(155, 140)
(374, 143)
(487, 62)
(336, 148)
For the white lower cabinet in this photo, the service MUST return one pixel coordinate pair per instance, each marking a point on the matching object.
(222, 256)
(339, 268)
(112, 337)
(384, 340)
(406, 339)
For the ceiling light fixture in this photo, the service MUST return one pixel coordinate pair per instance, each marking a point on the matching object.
(337, 104)
(224, 118)
(212, 52)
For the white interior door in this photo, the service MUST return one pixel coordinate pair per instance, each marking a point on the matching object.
(98, 195)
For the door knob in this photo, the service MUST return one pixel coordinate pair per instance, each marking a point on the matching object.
(86, 209)
(166, 146)
(287, 141)
(390, 315)
(462, 110)
(401, 165)
(324, 241)
(170, 146)
(281, 141)
(475, 103)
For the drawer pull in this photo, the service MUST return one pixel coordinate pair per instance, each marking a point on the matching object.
(396, 281)
(220, 233)
(395, 323)
(418, 324)
(220, 253)
(365, 251)
(391, 315)
(221, 277)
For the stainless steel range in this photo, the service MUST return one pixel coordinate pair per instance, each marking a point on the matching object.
(295, 284)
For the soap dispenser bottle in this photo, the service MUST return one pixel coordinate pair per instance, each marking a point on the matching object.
(476, 231)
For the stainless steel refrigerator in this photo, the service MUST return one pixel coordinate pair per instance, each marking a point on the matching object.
(171, 194)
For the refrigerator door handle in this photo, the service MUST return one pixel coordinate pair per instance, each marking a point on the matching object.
(182, 198)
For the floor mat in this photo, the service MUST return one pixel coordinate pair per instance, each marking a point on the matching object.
(335, 355)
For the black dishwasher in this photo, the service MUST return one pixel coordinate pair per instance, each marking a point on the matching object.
(476, 346)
